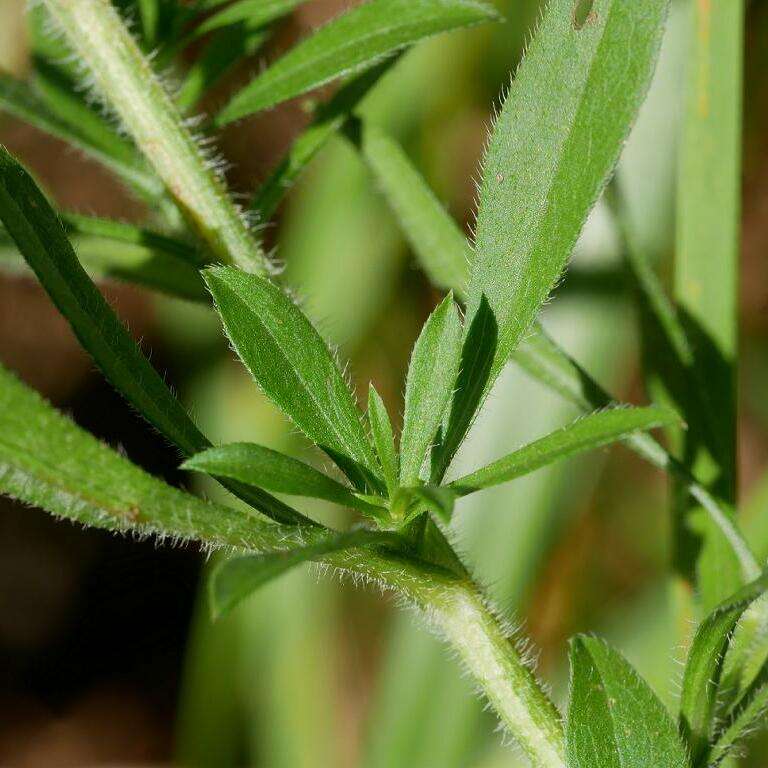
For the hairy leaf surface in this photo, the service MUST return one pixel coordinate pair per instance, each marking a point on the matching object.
(428, 386)
(293, 365)
(614, 719)
(585, 434)
(551, 153)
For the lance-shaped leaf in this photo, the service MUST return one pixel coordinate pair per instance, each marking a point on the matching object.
(330, 117)
(585, 434)
(550, 155)
(614, 719)
(234, 580)
(705, 664)
(17, 98)
(41, 240)
(436, 240)
(274, 471)
(256, 13)
(383, 439)
(428, 386)
(351, 42)
(293, 365)
(48, 461)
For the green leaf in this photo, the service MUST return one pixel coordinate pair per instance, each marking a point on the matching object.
(437, 241)
(293, 365)
(234, 580)
(705, 664)
(256, 13)
(349, 43)
(551, 153)
(614, 719)
(48, 461)
(40, 238)
(330, 117)
(585, 434)
(274, 471)
(17, 99)
(428, 387)
(222, 52)
(383, 439)
(408, 503)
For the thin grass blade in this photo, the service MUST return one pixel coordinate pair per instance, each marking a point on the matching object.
(255, 13)
(351, 42)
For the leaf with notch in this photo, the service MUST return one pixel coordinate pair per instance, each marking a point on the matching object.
(293, 365)
(351, 42)
(234, 580)
(274, 471)
(585, 434)
(551, 153)
(614, 719)
(705, 664)
(428, 387)
(383, 439)
(41, 239)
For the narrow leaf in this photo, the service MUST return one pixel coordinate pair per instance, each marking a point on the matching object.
(351, 42)
(293, 365)
(438, 243)
(222, 52)
(705, 663)
(48, 461)
(274, 471)
(330, 117)
(614, 719)
(234, 580)
(17, 99)
(409, 503)
(586, 434)
(550, 155)
(41, 239)
(256, 13)
(383, 439)
(428, 387)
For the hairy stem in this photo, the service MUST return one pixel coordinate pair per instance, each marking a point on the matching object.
(126, 81)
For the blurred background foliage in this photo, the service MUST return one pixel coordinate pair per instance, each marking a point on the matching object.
(107, 654)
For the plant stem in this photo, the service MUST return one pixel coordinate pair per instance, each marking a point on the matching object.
(124, 78)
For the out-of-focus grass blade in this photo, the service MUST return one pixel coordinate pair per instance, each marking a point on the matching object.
(548, 160)
(234, 580)
(149, 10)
(225, 50)
(40, 238)
(256, 13)
(614, 719)
(428, 386)
(437, 241)
(352, 41)
(17, 99)
(293, 365)
(383, 439)
(257, 465)
(329, 119)
(704, 667)
(586, 434)
(707, 253)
